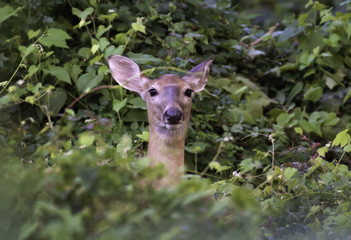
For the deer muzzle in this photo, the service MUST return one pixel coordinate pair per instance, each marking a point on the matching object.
(173, 116)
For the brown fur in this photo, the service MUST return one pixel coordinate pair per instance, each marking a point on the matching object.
(166, 141)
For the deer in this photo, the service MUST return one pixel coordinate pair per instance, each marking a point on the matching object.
(169, 100)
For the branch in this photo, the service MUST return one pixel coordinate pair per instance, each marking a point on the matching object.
(92, 90)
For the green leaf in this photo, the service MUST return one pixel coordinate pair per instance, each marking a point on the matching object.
(289, 172)
(144, 136)
(34, 88)
(246, 165)
(57, 100)
(348, 95)
(322, 151)
(7, 11)
(86, 139)
(94, 45)
(93, 3)
(109, 17)
(347, 28)
(137, 103)
(311, 127)
(118, 105)
(331, 120)
(309, 42)
(254, 87)
(59, 72)
(32, 34)
(4, 100)
(82, 14)
(309, 72)
(101, 30)
(347, 148)
(291, 31)
(27, 229)
(284, 118)
(302, 18)
(342, 138)
(313, 211)
(96, 59)
(55, 37)
(138, 26)
(330, 82)
(73, 69)
(112, 50)
(88, 81)
(103, 43)
(32, 70)
(124, 146)
(306, 59)
(214, 165)
(328, 178)
(140, 58)
(298, 130)
(294, 91)
(121, 38)
(196, 147)
(313, 94)
(333, 40)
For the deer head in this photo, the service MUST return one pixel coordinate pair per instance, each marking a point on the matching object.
(169, 100)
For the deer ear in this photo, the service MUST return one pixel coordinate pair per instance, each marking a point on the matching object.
(197, 77)
(126, 73)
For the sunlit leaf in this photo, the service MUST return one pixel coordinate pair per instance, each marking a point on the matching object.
(138, 26)
(322, 151)
(32, 34)
(86, 139)
(342, 138)
(144, 136)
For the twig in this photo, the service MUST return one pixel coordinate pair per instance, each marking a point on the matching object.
(214, 158)
(270, 32)
(92, 90)
(28, 51)
(257, 41)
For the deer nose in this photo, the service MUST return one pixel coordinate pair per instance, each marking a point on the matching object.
(173, 116)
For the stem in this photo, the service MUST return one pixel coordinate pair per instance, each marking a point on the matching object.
(214, 158)
(20, 64)
(92, 90)
(273, 153)
(195, 162)
(342, 156)
(273, 156)
(126, 43)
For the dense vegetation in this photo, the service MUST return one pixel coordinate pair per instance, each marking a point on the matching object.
(267, 152)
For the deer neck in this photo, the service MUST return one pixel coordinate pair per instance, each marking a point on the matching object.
(169, 151)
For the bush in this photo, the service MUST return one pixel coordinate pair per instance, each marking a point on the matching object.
(269, 136)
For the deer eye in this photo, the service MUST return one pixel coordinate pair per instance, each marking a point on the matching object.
(188, 92)
(153, 92)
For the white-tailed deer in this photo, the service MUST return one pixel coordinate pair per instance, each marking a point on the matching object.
(169, 100)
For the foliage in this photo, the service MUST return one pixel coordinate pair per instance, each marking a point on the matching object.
(269, 135)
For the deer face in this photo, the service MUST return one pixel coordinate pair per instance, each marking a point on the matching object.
(168, 98)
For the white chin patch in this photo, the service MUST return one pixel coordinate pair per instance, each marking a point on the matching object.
(172, 126)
